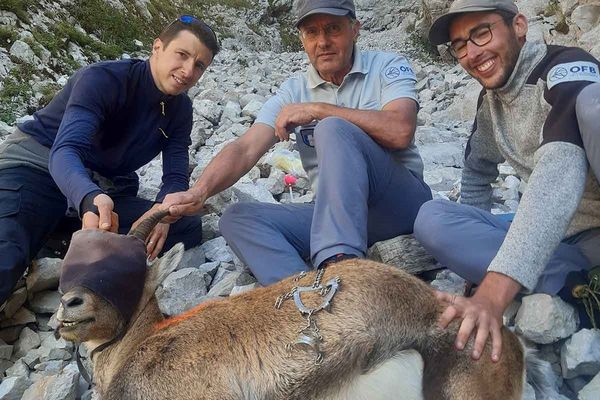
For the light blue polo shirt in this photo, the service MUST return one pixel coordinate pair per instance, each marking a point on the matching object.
(376, 78)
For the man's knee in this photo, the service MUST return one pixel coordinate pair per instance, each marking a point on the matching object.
(334, 129)
(588, 108)
(191, 231)
(234, 216)
(430, 222)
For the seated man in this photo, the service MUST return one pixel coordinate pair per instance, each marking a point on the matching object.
(354, 114)
(78, 154)
(539, 112)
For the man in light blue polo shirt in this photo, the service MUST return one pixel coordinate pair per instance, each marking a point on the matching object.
(354, 115)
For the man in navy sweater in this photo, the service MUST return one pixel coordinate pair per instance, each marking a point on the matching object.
(78, 155)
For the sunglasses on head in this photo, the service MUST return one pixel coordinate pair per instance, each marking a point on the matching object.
(191, 20)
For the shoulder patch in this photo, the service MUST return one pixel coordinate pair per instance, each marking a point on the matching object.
(572, 72)
(397, 71)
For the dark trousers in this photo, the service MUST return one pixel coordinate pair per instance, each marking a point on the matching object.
(32, 206)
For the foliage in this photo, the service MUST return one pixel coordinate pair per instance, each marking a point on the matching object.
(18, 7)
(117, 28)
(15, 90)
(7, 36)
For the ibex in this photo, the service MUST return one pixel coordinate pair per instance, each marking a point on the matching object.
(361, 346)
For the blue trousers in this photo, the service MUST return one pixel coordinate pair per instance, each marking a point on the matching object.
(465, 239)
(363, 196)
(31, 207)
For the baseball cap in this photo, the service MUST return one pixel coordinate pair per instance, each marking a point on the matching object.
(438, 33)
(304, 8)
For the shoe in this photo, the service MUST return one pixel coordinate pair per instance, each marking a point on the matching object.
(336, 258)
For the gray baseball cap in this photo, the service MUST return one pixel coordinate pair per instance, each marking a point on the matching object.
(438, 33)
(304, 8)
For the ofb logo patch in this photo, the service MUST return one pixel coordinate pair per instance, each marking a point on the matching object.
(398, 71)
(573, 72)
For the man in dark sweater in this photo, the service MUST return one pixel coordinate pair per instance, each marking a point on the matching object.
(78, 155)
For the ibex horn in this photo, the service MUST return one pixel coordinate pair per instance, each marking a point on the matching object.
(145, 227)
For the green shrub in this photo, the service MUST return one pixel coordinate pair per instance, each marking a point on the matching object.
(18, 7)
(7, 36)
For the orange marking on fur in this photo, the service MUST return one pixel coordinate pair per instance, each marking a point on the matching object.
(182, 317)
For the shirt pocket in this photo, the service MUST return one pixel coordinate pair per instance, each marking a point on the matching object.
(10, 199)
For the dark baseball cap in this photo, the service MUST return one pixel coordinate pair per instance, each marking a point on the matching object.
(438, 33)
(304, 8)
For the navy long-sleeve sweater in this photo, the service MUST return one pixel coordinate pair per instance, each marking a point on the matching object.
(111, 118)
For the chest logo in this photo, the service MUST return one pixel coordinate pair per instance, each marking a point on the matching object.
(573, 72)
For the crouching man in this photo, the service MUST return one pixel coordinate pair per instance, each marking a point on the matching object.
(354, 114)
(539, 111)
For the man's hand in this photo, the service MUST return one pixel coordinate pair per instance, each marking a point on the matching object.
(179, 204)
(480, 314)
(107, 219)
(156, 239)
(293, 115)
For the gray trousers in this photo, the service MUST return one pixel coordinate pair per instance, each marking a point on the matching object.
(466, 239)
(364, 196)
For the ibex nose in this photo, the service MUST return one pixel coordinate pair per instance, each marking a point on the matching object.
(71, 301)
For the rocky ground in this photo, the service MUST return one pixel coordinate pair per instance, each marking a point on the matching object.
(37, 366)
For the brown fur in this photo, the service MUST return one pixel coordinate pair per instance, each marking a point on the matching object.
(235, 348)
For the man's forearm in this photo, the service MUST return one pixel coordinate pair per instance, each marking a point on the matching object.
(498, 289)
(392, 129)
(228, 166)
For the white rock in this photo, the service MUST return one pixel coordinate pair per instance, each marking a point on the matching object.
(251, 109)
(243, 192)
(13, 388)
(56, 387)
(208, 109)
(21, 51)
(591, 390)
(586, 16)
(580, 355)
(45, 302)
(545, 319)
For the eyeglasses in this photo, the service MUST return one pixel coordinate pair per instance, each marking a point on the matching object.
(191, 20)
(479, 36)
(312, 32)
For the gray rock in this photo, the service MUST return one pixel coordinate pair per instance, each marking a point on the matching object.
(13, 388)
(56, 387)
(5, 350)
(43, 274)
(210, 226)
(21, 317)
(224, 286)
(545, 319)
(448, 281)
(181, 291)
(250, 192)
(580, 355)
(45, 302)
(208, 109)
(4, 366)
(404, 252)
(28, 340)
(14, 303)
(18, 369)
(251, 109)
(192, 258)
(217, 250)
(243, 289)
(232, 111)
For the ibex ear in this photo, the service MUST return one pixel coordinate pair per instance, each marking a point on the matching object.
(162, 267)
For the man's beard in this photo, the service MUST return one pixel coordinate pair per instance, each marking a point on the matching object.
(510, 61)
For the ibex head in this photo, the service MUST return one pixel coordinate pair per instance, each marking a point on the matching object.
(103, 278)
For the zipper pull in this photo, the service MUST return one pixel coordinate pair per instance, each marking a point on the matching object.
(162, 107)
(163, 132)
